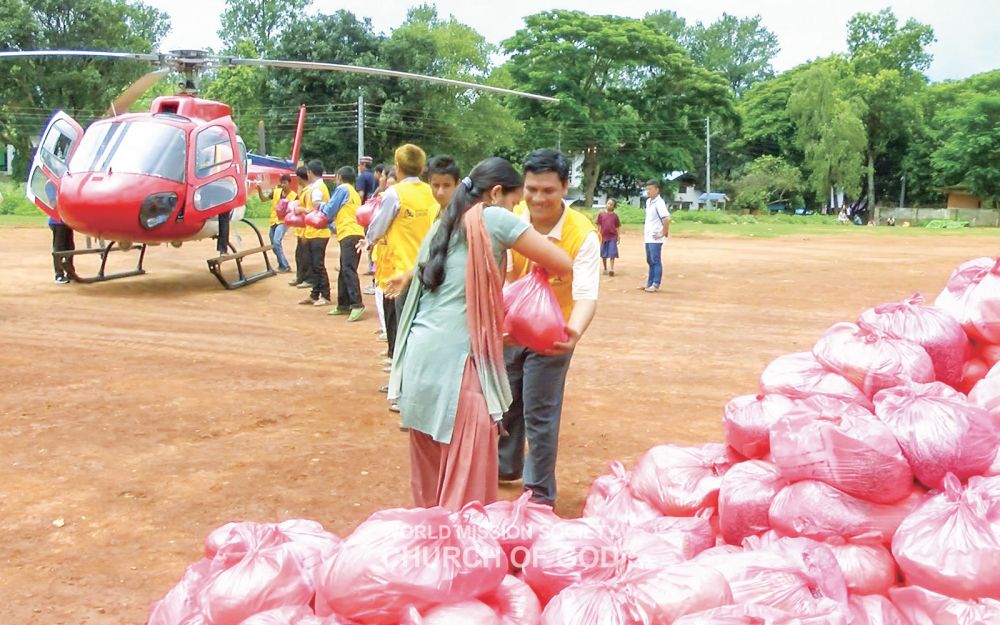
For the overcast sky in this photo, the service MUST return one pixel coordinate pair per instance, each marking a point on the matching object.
(967, 31)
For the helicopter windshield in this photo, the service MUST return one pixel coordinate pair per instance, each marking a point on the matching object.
(132, 147)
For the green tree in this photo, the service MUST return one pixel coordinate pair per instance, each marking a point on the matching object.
(668, 23)
(740, 49)
(888, 61)
(631, 101)
(331, 123)
(469, 125)
(970, 152)
(241, 87)
(768, 179)
(828, 129)
(32, 89)
(260, 22)
(766, 127)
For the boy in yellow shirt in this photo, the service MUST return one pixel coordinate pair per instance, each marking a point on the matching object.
(313, 197)
(278, 227)
(343, 205)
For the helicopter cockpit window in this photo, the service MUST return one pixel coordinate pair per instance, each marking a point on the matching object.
(132, 147)
(54, 152)
(215, 151)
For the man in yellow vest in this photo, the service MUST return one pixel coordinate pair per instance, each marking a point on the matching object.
(403, 218)
(343, 206)
(277, 225)
(312, 197)
(538, 380)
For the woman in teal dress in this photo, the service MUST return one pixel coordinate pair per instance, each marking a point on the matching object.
(448, 375)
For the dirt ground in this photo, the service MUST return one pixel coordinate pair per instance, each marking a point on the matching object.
(140, 414)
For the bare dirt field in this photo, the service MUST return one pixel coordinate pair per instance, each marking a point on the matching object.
(138, 415)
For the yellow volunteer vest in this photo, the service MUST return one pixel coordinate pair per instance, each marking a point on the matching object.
(417, 211)
(310, 232)
(275, 198)
(347, 217)
(576, 227)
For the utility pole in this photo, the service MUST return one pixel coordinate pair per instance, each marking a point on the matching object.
(708, 163)
(361, 126)
(261, 142)
(902, 191)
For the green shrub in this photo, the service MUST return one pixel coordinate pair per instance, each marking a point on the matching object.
(14, 200)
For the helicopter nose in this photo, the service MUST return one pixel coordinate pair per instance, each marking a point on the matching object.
(108, 205)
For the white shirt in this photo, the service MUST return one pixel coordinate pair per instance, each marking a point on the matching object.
(586, 264)
(656, 212)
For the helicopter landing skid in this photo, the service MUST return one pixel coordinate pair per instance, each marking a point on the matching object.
(101, 276)
(215, 264)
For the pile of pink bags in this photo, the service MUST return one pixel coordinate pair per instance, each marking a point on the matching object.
(859, 486)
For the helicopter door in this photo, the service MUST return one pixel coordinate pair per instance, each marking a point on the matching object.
(59, 141)
(216, 172)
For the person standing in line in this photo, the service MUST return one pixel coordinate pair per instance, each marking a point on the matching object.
(443, 175)
(314, 196)
(608, 224)
(403, 218)
(278, 228)
(303, 271)
(448, 374)
(538, 380)
(655, 232)
(366, 184)
(62, 241)
(343, 207)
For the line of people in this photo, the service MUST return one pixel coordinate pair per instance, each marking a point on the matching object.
(478, 409)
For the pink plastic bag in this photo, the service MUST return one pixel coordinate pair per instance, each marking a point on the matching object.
(800, 376)
(681, 589)
(613, 602)
(745, 498)
(988, 353)
(871, 360)
(570, 552)
(745, 614)
(687, 536)
(874, 610)
(294, 219)
(228, 544)
(951, 544)
(264, 579)
(514, 602)
(974, 371)
(747, 421)
(986, 394)
(516, 525)
(532, 316)
(281, 209)
(420, 557)
(928, 326)
(366, 212)
(843, 445)
(310, 542)
(183, 602)
(460, 613)
(923, 607)
(679, 481)
(610, 497)
(939, 430)
(820, 511)
(288, 615)
(972, 296)
(868, 567)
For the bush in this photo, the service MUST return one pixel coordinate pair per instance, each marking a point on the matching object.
(14, 200)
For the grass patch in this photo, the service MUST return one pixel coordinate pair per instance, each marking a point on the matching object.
(14, 200)
(633, 215)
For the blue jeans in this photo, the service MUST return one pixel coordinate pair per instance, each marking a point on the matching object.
(653, 252)
(277, 234)
(537, 383)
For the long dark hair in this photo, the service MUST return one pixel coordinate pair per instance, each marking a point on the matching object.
(483, 177)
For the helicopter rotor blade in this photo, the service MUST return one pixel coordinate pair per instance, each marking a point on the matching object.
(128, 97)
(81, 53)
(378, 72)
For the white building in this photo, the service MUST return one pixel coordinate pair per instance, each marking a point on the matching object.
(7, 160)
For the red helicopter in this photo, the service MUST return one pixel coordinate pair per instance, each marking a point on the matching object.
(175, 174)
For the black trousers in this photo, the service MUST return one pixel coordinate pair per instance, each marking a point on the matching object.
(62, 241)
(303, 272)
(348, 283)
(392, 308)
(223, 242)
(317, 264)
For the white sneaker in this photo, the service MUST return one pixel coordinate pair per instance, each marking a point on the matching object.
(322, 301)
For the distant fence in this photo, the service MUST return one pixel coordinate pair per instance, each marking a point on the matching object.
(977, 217)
